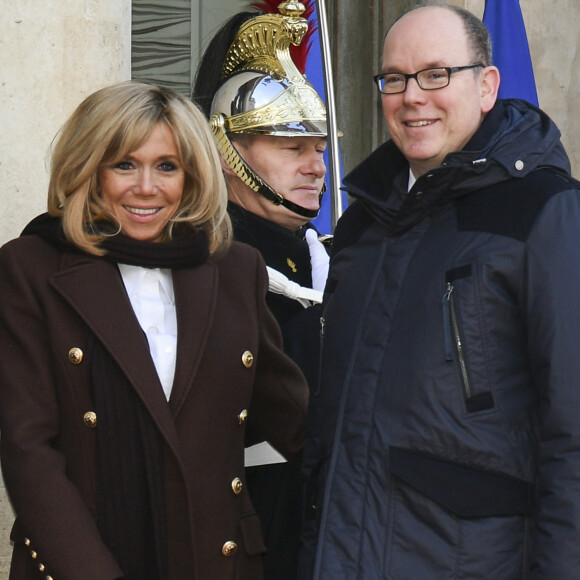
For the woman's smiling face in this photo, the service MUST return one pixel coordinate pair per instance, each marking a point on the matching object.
(144, 190)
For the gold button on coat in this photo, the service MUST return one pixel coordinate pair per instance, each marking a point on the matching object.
(229, 549)
(237, 486)
(242, 417)
(75, 355)
(248, 359)
(90, 419)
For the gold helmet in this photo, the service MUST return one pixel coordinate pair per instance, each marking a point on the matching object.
(264, 93)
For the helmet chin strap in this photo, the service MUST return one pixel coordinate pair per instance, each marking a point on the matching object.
(277, 199)
(298, 209)
(250, 177)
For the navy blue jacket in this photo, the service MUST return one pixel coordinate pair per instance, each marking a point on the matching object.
(445, 435)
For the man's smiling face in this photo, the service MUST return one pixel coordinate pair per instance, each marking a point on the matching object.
(427, 125)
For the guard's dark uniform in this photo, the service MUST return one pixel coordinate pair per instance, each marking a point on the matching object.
(275, 489)
(243, 99)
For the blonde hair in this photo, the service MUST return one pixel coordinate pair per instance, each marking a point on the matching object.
(107, 126)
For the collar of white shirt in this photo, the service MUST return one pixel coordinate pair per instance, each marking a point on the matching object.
(133, 277)
(412, 180)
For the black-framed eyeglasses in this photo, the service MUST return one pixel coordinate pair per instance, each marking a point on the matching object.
(429, 79)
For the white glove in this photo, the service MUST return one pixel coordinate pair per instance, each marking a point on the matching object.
(280, 284)
(319, 260)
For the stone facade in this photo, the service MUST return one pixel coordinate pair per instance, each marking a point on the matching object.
(51, 60)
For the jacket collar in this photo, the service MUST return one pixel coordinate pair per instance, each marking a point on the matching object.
(514, 139)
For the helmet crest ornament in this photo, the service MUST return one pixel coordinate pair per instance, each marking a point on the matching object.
(299, 53)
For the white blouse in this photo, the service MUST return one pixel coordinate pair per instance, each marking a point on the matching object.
(150, 291)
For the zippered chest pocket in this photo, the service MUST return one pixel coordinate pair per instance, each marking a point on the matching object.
(465, 337)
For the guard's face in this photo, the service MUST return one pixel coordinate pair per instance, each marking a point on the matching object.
(291, 166)
(426, 125)
(144, 190)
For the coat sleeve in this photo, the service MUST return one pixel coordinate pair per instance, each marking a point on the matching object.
(50, 510)
(552, 302)
(280, 399)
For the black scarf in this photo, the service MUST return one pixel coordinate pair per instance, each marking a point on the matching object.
(131, 510)
(129, 448)
(187, 249)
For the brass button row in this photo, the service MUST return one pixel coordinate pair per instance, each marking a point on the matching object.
(90, 418)
(75, 355)
(230, 548)
(34, 556)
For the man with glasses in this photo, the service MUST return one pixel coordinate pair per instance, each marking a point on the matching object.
(445, 435)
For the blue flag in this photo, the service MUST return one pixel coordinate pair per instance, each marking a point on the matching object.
(511, 53)
(315, 75)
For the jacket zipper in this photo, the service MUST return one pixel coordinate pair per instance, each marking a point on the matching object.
(452, 328)
(322, 325)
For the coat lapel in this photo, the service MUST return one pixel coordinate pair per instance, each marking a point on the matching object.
(95, 290)
(195, 295)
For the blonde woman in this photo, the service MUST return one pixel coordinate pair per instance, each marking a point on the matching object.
(137, 356)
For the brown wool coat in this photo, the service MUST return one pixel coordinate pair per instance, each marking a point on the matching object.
(49, 303)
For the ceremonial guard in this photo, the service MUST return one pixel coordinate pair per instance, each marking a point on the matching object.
(270, 126)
